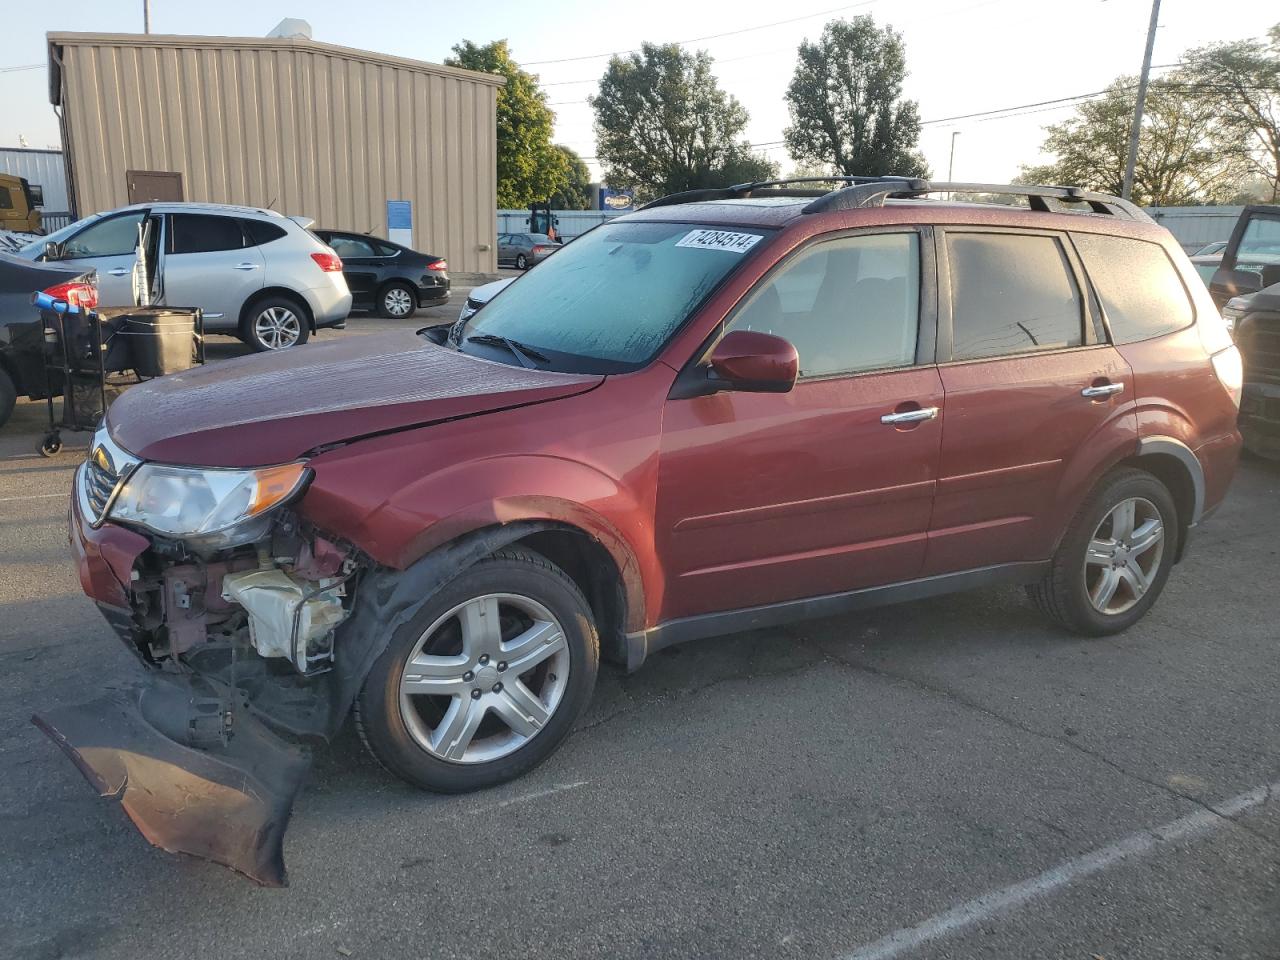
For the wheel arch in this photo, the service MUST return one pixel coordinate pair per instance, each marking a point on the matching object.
(1175, 465)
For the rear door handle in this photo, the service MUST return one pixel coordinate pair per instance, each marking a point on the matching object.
(1102, 390)
(246, 266)
(910, 416)
(119, 271)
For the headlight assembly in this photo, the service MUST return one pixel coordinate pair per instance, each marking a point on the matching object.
(212, 508)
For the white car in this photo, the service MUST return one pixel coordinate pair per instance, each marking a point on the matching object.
(256, 274)
(482, 295)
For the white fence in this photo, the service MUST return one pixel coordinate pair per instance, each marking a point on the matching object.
(43, 167)
(1193, 227)
(570, 223)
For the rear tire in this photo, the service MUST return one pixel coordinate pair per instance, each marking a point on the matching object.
(483, 721)
(397, 301)
(8, 397)
(275, 323)
(1115, 557)
(522, 262)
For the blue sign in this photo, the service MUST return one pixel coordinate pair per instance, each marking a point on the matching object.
(616, 199)
(399, 214)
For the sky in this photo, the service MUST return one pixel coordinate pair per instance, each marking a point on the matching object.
(963, 56)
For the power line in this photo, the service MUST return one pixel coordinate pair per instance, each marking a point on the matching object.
(26, 66)
(712, 36)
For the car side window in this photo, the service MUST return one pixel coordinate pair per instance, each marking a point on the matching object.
(1011, 293)
(384, 249)
(1260, 244)
(348, 247)
(1140, 290)
(203, 233)
(6, 201)
(113, 237)
(846, 305)
(260, 232)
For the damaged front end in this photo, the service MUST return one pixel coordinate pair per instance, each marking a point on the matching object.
(240, 631)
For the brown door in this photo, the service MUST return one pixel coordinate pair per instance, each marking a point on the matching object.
(148, 186)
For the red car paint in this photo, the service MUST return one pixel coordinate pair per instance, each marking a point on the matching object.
(716, 502)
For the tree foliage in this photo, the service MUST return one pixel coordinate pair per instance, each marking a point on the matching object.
(846, 102)
(1180, 159)
(576, 192)
(663, 125)
(530, 168)
(1241, 81)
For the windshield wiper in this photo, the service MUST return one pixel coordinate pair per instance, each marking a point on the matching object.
(522, 352)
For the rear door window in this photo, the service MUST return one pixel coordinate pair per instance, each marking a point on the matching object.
(260, 232)
(204, 233)
(1010, 294)
(1139, 288)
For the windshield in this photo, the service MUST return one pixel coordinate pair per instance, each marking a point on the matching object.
(607, 302)
(58, 235)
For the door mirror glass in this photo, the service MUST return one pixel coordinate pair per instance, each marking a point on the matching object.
(53, 250)
(754, 362)
(1232, 283)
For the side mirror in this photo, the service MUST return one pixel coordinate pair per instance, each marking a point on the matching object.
(754, 363)
(52, 250)
(1233, 283)
(1271, 275)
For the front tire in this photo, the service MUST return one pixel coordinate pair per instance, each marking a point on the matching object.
(8, 397)
(398, 301)
(275, 323)
(486, 680)
(1115, 557)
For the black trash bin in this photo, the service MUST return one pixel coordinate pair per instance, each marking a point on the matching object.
(153, 341)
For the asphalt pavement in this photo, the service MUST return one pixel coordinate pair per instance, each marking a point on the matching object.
(950, 778)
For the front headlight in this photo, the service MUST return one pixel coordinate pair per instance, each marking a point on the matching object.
(207, 507)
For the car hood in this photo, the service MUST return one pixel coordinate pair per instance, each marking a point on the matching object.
(275, 407)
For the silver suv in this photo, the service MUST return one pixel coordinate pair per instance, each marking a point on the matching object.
(255, 273)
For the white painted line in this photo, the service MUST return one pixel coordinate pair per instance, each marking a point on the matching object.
(525, 797)
(38, 496)
(1139, 844)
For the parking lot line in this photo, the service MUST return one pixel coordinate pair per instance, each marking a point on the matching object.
(1136, 845)
(37, 496)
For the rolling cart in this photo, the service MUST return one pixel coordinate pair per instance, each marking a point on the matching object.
(84, 348)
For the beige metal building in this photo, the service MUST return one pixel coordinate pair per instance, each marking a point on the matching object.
(306, 128)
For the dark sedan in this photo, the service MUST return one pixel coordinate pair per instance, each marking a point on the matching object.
(386, 277)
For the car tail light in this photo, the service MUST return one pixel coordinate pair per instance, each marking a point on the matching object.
(539, 249)
(438, 265)
(328, 262)
(1229, 367)
(75, 293)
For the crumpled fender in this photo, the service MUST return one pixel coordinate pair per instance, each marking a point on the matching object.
(209, 763)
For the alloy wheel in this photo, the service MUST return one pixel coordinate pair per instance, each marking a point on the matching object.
(484, 678)
(397, 301)
(277, 328)
(1123, 556)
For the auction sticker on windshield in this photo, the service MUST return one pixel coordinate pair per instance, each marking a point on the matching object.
(719, 240)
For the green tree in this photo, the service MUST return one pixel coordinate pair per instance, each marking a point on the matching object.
(1241, 82)
(529, 166)
(576, 192)
(1179, 161)
(846, 103)
(664, 125)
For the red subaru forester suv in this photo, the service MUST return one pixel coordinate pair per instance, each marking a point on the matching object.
(729, 410)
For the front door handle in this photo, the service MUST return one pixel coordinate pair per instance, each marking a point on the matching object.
(910, 416)
(119, 271)
(246, 266)
(1102, 390)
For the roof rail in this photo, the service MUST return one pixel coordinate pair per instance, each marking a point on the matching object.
(875, 193)
(743, 190)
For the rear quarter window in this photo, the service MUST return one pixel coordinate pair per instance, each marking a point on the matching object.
(1140, 289)
(260, 232)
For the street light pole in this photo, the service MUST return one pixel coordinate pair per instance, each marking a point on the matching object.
(146, 16)
(1134, 134)
(951, 162)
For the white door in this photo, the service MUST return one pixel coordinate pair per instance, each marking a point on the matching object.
(108, 245)
(208, 263)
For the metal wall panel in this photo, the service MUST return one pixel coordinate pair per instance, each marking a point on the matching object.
(39, 166)
(307, 128)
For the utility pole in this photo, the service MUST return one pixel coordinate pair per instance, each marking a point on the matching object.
(951, 162)
(146, 16)
(1127, 190)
